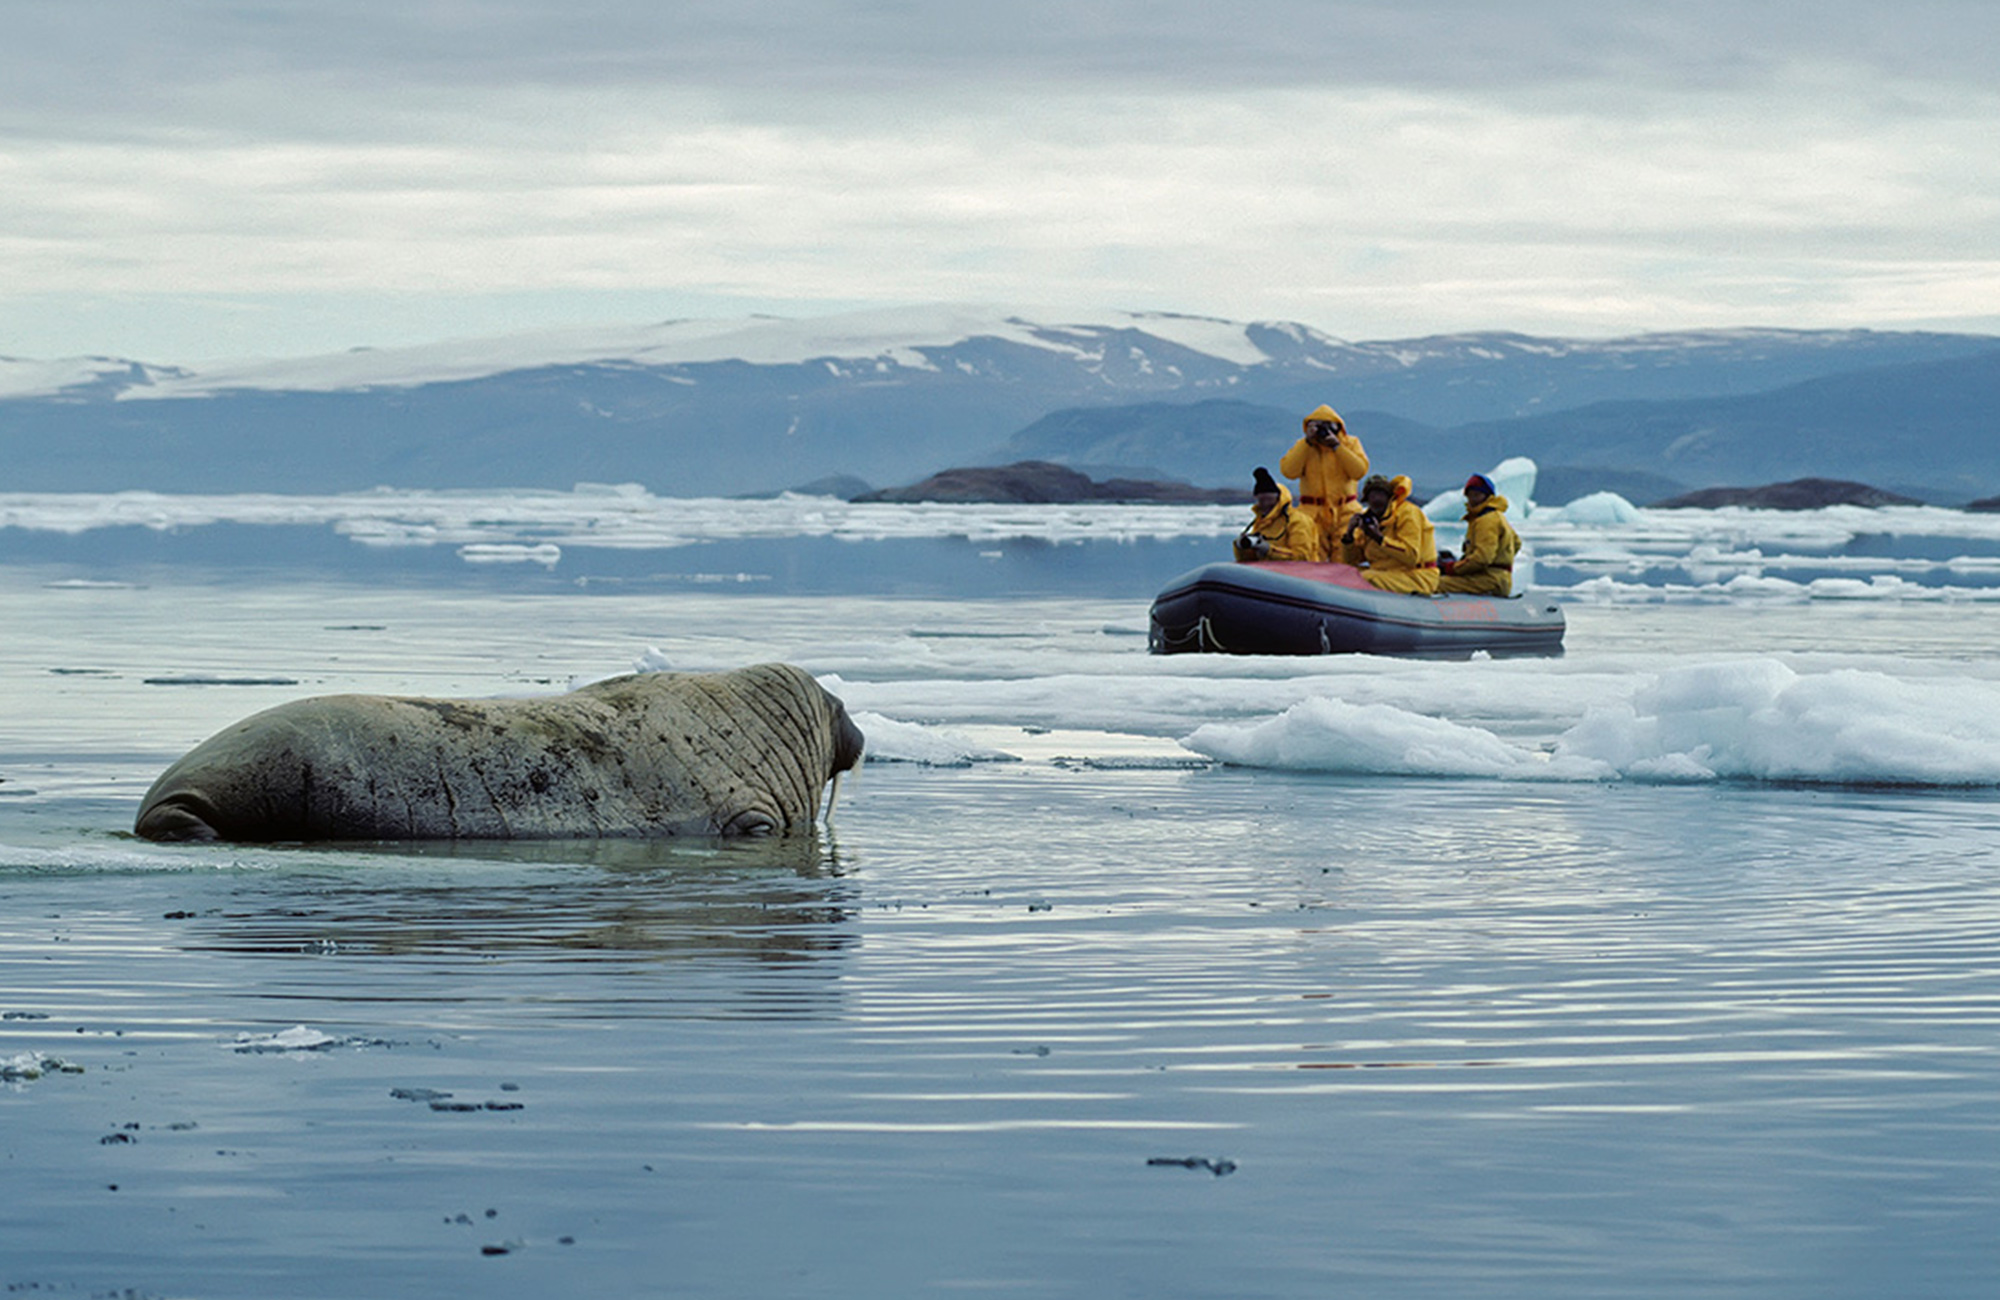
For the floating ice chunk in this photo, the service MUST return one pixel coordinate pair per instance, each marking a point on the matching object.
(1881, 586)
(543, 553)
(1751, 720)
(298, 1038)
(1750, 584)
(1760, 720)
(1514, 478)
(1330, 735)
(1446, 507)
(26, 1066)
(654, 660)
(890, 741)
(1599, 509)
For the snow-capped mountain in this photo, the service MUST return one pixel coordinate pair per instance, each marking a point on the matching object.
(706, 407)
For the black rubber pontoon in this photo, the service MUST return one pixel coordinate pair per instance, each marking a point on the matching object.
(1292, 608)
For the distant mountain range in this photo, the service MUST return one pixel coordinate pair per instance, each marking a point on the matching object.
(722, 408)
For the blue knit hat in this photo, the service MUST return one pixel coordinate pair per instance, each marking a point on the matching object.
(1479, 483)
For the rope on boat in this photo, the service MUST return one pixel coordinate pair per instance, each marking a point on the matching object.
(1200, 636)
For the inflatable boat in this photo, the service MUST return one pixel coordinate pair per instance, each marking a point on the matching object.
(1295, 608)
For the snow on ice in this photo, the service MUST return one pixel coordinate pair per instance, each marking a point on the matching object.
(1751, 719)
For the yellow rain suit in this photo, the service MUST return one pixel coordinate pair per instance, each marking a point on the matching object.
(1405, 560)
(1327, 475)
(1487, 567)
(1293, 534)
(1400, 485)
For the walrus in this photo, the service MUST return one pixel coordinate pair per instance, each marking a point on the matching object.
(652, 754)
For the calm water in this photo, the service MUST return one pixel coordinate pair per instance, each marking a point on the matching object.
(1418, 1036)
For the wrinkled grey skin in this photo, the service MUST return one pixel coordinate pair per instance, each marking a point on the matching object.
(736, 753)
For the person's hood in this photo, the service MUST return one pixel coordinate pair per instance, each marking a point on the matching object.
(1399, 489)
(1494, 502)
(1323, 412)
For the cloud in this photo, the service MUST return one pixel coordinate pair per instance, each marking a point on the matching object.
(1551, 165)
(201, 63)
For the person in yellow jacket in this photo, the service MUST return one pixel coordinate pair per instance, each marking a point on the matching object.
(1487, 566)
(1387, 540)
(1399, 489)
(1280, 530)
(1328, 461)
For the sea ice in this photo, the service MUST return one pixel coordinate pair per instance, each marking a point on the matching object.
(652, 660)
(890, 741)
(1754, 719)
(1598, 509)
(26, 1066)
(298, 1038)
(1331, 735)
(1761, 720)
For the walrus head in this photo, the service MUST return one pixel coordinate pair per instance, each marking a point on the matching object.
(831, 743)
(848, 742)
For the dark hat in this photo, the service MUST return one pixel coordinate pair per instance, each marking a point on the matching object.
(1264, 483)
(1377, 483)
(1479, 483)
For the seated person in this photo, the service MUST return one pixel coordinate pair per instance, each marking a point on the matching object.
(1387, 540)
(1278, 532)
(1487, 567)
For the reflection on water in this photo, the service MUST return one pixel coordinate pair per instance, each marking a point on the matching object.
(778, 900)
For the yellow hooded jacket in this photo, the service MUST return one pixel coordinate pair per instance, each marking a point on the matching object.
(1400, 486)
(1405, 560)
(1327, 476)
(1291, 533)
(1487, 567)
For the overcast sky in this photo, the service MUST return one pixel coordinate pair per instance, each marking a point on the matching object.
(189, 179)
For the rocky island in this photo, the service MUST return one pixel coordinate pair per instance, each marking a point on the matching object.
(1797, 494)
(1041, 482)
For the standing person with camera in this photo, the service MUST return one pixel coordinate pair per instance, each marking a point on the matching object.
(1387, 540)
(1279, 531)
(1328, 461)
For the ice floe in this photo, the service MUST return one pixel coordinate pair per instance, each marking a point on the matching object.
(27, 1066)
(1752, 719)
(891, 741)
(1680, 554)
